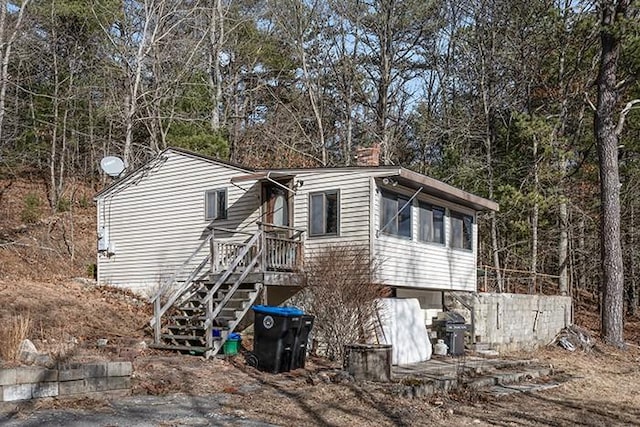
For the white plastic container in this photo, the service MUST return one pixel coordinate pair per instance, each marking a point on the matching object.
(440, 348)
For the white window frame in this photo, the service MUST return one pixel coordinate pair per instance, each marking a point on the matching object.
(423, 208)
(324, 213)
(400, 200)
(460, 216)
(217, 214)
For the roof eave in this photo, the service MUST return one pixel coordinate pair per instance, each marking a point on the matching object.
(447, 192)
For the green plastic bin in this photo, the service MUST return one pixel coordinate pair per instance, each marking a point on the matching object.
(231, 345)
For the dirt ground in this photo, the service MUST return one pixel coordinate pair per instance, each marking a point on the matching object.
(67, 317)
(597, 388)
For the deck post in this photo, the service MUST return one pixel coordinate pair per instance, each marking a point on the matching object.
(263, 256)
(213, 250)
(209, 330)
(156, 326)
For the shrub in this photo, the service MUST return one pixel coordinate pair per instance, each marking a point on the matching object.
(92, 271)
(84, 201)
(341, 294)
(31, 209)
(63, 205)
(14, 331)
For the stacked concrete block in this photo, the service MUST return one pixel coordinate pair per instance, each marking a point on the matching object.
(516, 321)
(512, 321)
(26, 383)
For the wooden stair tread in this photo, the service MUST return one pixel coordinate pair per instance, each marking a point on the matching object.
(196, 349)
(181, 308)
(184, 337)
(186, 327)
(200, 318)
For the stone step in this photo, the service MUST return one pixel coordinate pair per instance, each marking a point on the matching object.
(425, 386)
(488, 354)
(478, 346)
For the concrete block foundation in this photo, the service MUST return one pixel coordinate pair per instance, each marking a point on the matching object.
(508, 322)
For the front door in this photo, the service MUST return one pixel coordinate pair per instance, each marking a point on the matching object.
(277, 213)
(277, 204)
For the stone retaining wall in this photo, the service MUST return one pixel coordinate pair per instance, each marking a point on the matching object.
(513, 321)
(24, 383)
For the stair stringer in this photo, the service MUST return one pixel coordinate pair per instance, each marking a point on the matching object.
(217, 345)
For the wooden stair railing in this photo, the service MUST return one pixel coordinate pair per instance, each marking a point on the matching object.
(190, 287)
(212, 312)
(158, 308)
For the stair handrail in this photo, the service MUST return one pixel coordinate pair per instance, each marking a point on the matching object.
(234, 264)
(232, 326)
(232, 289)
(177, 291)
(297, 232)
(213, 313)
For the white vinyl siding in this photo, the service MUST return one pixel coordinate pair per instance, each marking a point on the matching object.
(156, 222)
(353, 224)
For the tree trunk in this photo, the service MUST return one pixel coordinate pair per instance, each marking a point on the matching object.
(632, 287)
(563, 244)
(534, 220)
(607, 141)
(216, 40)
(582, 262)
(6, 41)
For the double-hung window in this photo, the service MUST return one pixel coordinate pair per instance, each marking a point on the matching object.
(396, 215)
(461, 231)
(431, 223)
(324, 213)
(215, 204)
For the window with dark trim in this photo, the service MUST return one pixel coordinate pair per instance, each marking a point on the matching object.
(396, 215)
(430, 223)
(215, 204)
(461, 231)
(324, 213)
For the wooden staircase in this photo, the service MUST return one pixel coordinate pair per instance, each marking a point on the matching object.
(200, 313)
(188, 328)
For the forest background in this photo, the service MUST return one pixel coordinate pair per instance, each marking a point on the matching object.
(496, 97)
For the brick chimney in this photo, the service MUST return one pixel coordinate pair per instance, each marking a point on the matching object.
(368, 156)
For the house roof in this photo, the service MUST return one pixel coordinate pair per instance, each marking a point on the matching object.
(262, 175)
(445, 191)
(138, 172)
(403, 176)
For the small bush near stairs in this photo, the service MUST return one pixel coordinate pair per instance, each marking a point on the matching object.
(341, 294)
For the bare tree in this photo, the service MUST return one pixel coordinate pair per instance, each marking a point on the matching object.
(396, 37)
(10, 26)
(145, 27)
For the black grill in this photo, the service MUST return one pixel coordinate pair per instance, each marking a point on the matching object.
(450, 326)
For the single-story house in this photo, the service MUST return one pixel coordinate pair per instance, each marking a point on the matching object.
(208, 237)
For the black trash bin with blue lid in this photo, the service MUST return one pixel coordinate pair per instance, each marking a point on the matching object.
(275, 332)
(300, 342)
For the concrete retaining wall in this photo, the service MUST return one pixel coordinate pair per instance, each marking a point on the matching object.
(513, 321)
(26, 383)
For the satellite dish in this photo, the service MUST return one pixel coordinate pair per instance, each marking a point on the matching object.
(112, 166)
